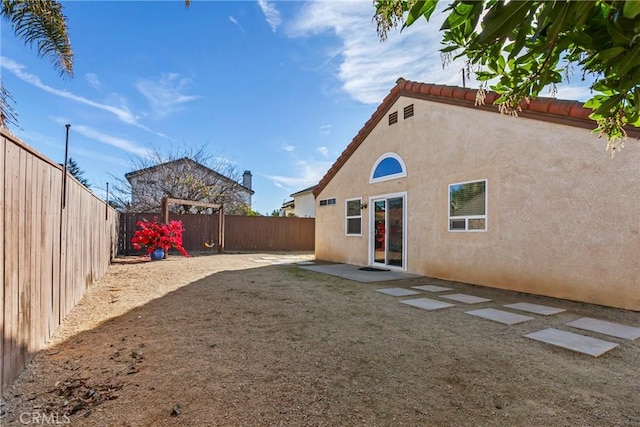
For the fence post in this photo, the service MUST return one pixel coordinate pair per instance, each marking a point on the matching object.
(221, 229)
(165, 210)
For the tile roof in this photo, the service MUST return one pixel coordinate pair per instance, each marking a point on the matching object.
(560, 111)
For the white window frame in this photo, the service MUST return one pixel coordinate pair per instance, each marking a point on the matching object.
(466, 218)
(388, 177)
(328, 199)
(372, 229)
(347, 217)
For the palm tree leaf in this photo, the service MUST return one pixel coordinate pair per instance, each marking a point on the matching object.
(42, 23)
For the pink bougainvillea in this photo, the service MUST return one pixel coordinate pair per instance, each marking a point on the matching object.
(153, 234)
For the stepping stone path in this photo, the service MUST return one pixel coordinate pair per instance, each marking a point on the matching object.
(467, 299)
(535, 308)
(427, 303)
(398, 292)
(432, 288)
(567, 340)
(500, 316)
(575, 342)
(607, 328)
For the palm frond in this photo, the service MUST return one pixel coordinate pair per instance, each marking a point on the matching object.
(42, 23)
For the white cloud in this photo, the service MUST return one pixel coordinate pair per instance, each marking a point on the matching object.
(166, 94)
(368, 67)
(325, 130)
(288, 148)
(104, 158)
(271, 14)
(572, 93)
(122, 112)
(93, 80)
(123, 144)
(324, 151)
(307, 173)
(234, 20)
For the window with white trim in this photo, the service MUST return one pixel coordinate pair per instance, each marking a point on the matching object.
(468, 206)
(388, 166)
(353, 221)
(328, 202)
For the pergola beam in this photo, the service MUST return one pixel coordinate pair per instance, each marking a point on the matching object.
(220, 207)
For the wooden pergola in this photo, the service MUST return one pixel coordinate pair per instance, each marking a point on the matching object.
(166, 201)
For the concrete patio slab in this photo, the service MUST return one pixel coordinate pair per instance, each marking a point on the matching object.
(397, 292)
(535, 308)
(306, 263)
(574, 342)
(467, 299)
(432, 288)
(352, 272)
(500, 316)
(427, 303)
(608, 328)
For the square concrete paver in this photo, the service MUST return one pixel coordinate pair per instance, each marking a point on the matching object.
(499, 316)
(467, 299)
(543, 310)
(427, 303)
(432, 288)
(353, 272)
(608, 328)
(398, 292)
(575, 342)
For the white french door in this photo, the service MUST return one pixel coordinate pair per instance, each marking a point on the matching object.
(387, 225)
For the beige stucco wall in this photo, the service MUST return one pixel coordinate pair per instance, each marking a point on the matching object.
(563, 217)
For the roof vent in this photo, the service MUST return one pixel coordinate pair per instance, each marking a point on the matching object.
(393, 118)
(408, 111)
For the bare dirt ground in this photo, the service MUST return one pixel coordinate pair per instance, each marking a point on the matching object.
(222, 340)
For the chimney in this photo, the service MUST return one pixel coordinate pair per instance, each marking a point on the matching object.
(246, 179)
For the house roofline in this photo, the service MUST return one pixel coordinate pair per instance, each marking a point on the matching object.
(570, 113)
(306, 190)
(132, 174)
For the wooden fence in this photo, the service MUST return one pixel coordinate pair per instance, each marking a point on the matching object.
(241, 233)
(50, 254)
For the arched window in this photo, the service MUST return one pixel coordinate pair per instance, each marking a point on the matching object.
(388, 166)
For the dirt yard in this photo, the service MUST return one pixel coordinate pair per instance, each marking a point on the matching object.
(223, 340)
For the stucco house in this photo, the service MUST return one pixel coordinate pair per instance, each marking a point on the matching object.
(436, 186)
(303, 204)
(187, 179)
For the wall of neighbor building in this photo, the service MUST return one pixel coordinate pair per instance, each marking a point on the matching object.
(305, 205)
(562, 215)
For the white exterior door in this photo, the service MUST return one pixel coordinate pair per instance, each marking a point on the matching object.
(387, 225)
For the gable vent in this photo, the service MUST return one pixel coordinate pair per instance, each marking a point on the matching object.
(408, 111)
(393, 118)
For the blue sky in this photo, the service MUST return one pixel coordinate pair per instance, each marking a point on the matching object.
(279, 88)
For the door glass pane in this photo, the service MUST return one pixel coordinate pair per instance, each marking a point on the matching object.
(395, 226)
(379, 243)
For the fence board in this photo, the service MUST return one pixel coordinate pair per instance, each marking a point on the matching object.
(241, 233)
(41, 284)
(3, 145)
(11, 279)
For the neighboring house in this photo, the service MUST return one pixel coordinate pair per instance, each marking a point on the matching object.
(189, 180)
(437, 186)
(303, 204)
(288, 209)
